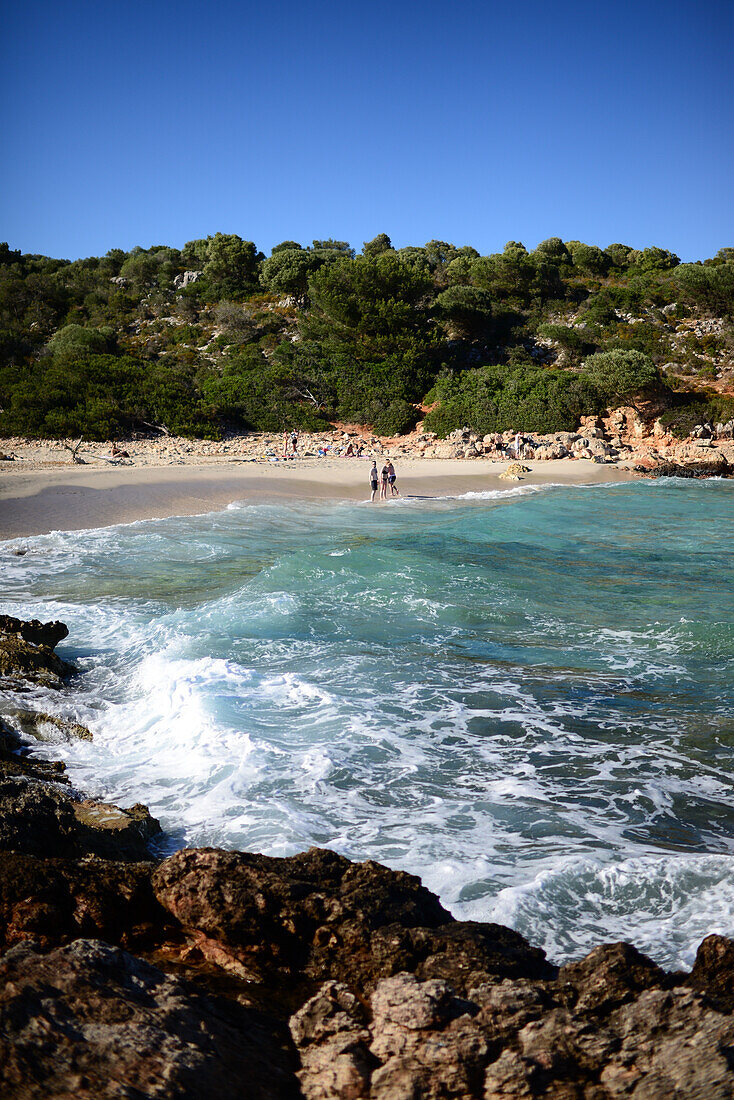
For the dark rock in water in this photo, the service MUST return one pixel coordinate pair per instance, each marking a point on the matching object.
(21, 660)
(43, 819)
(318, 916)
(15, 759)
(54, 901)
(26, 652)
(91, 1022)
(48, 727)
(34, 631)
(713, 971)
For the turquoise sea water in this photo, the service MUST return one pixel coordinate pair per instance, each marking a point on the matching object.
(527, 698)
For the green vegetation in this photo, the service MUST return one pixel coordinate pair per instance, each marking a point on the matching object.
(216, 335)
(691, 409)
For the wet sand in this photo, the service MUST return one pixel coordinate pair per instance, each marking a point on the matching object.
(37, 501)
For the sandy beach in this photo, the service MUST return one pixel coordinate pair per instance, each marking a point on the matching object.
(36, 498)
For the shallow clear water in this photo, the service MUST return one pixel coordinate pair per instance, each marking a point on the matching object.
(526, 698)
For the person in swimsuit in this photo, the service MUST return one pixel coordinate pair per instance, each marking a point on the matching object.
(294, 441)
(384, 475)
(391, 475)
(373, 479)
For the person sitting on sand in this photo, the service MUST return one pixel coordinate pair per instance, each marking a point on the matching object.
(117, 453)
(384, 475)
(391, 476)
(349, 451)
(374, 479)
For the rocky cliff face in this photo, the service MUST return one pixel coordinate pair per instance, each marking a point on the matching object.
(229, 974)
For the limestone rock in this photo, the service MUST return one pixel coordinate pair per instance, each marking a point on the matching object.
(48, 727)
(514, 471)
(53, 901)
(713, 971)
(15, 759)
(186, 279)
(43, 819)
(333, 1042)
(26, 652)
(320, 917)
(92, 1022)
(34, 631)
(609, 976)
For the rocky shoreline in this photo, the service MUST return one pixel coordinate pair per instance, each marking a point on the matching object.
(230, 974)
(634, 436)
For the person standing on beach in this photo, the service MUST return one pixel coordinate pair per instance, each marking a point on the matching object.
(285, 444)
(373, 479)
(384, 475)
(518, 441)
(294, 442)
(391, 476)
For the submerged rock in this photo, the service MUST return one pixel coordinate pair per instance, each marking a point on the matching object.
(49, 727)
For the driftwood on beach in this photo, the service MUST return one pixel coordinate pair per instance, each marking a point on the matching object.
(231, 974)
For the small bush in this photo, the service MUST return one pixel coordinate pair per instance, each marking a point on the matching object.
(399, 418)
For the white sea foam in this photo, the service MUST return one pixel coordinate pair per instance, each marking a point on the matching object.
(274, 676)
(665, 905)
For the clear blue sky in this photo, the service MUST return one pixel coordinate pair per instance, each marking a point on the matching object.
(473, 122)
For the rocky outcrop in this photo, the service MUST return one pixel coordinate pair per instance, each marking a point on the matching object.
(317, 916)
(34, 631)
(54, 901)
(186, 278)
(91, 1022)
(713, 972)
(41, 816)
(518, 1038)
(690, 464)
(44, 819)
(15, 758)
(124, 976)
(27, 652)
(48, 727)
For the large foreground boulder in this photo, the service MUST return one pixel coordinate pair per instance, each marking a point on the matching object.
(317, 915)
(512, 1040)
(91, 1022)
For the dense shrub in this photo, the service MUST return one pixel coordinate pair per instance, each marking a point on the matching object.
(622, 376)
(316, 334)
(498, 398)
(690, 410)
(397, 419)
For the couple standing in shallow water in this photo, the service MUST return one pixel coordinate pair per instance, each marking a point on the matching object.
(382, 479)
